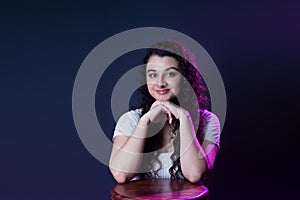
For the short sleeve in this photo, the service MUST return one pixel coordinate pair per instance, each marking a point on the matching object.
(127, 123)
(211, 129)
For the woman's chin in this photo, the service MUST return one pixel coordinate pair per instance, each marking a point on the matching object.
(163, 98)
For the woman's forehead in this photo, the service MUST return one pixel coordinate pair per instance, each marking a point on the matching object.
(157, 62)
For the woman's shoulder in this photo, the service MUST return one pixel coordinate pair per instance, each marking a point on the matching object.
(127, 122)
(211, 127)
(136, 113)
(132, 115)
(208, 116)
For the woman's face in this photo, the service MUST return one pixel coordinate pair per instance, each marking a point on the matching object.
(163, 77)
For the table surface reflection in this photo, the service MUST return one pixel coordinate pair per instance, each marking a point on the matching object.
(159, 189)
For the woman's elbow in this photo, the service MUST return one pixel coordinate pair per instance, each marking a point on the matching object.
(119, 176)
(120, 179)
(194, 178)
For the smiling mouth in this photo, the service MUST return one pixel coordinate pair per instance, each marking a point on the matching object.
(162, 92)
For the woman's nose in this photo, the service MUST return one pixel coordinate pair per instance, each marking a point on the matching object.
(161, 82)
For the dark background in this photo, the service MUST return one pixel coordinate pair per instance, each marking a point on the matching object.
(43, 43)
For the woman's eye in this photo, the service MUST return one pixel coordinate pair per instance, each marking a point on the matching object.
(171, 74)
(152, 75)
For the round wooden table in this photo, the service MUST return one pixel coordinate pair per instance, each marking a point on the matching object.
(159, 189)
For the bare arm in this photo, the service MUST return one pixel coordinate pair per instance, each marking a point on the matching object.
(127, 152)
(196, 159)
(126, 155)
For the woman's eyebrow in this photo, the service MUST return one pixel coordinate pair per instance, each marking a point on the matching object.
(170, 68)
(151, 70)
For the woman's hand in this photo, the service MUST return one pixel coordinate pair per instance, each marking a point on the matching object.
(175, 110)
(156, 114)
(161, 111)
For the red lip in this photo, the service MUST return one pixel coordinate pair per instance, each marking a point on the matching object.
(162, 92)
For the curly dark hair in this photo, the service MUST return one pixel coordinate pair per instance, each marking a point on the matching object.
(191, 97)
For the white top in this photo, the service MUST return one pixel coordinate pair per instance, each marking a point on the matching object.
(128, 121)
(166, 164)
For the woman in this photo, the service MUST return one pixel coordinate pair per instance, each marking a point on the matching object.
(172, 135)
